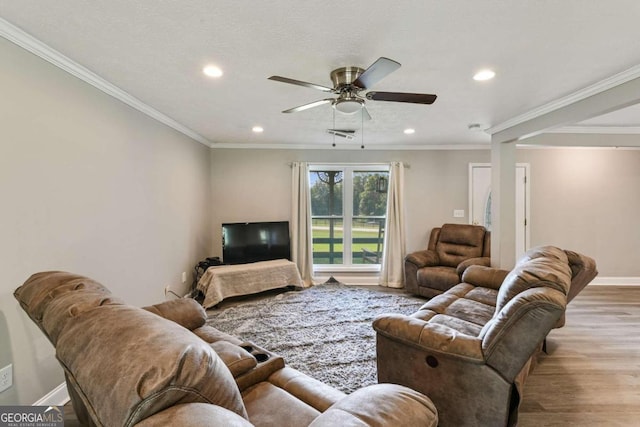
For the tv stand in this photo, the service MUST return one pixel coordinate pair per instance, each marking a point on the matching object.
(220, 282)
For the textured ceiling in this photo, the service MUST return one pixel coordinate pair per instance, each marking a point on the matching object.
(155, 50)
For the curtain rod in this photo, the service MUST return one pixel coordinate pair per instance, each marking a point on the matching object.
(406, 165)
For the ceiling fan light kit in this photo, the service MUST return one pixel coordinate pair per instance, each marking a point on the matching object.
(348, 105)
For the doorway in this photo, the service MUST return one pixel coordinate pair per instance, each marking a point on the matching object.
(480, 201)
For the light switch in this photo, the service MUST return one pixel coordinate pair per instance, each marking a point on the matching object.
(458, 213)
(6, 377)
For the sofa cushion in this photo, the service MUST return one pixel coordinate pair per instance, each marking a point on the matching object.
(269, 405)
(462, 326)
(462, 306)
(380, 405)
(123, 379)
(195, 415)
(439, 277)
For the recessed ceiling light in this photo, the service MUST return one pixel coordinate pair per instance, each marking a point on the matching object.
(484, 75)
(257, 129)
(212, 71)
(409, 131)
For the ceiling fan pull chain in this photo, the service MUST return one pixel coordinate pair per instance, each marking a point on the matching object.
(334, 126)
(361, 128)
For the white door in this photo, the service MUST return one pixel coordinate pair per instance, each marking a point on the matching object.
(480, 201)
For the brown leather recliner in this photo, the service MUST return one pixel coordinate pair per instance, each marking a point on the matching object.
(163, 366)
(452, 248)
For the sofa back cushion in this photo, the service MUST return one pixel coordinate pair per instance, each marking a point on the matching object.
(458, 242)
(583, 270)
(516, 331)
(40, 289)
(123, 363)
(543, 266)
(66, 306)
(128, 364)
(71, 293)
(529, 303)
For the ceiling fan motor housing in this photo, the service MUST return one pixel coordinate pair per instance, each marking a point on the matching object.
(344, 77)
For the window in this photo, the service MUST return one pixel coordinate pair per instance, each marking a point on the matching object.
(348, 213)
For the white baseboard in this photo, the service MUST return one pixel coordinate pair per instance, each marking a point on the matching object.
(616, 281)
(364, 279)
(56, 397)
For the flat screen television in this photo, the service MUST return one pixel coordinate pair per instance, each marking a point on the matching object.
(244, 242)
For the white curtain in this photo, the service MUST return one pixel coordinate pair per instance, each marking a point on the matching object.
(301, 249)
(392, 271)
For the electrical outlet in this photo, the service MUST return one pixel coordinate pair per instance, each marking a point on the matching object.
(166, 290)
(6, 377)
(184, 277)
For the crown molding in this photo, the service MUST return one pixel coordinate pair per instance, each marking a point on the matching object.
(378, 147)
(599, 87)
(40, 49)
(602, 130)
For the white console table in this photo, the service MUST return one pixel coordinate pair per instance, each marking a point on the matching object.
(220, 282)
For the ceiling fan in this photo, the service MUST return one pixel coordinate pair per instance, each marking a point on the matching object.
(348, 82)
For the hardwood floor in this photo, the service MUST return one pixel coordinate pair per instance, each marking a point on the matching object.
(591, 374)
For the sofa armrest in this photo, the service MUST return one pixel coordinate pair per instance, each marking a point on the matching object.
(314, 393)
(425, 258)
(484, 277)
(194, 415)
(380, 405)
(185, 312)
(430, 336)
(484, 261)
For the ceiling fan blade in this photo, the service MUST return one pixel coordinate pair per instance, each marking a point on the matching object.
(376, 72)
(310, 105)
(415, 98)
(301, 83)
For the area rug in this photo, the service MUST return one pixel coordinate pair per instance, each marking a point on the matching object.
(324, 331)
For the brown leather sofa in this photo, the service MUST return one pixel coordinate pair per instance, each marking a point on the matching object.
(452, 248)
(163, 366)
(470, 349)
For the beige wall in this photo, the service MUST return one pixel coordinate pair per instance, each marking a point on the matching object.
(587, 200)
(581, 199)
(89, 185)
(254, 185)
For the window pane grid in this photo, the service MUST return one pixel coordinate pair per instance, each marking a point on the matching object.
(348, 208)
